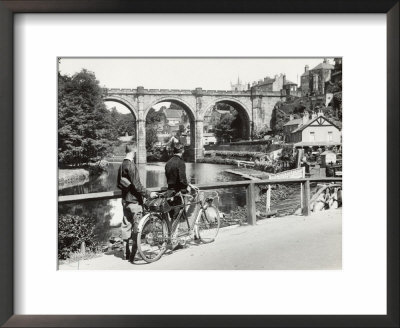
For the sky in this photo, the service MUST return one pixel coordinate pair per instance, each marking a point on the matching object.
(185, 73)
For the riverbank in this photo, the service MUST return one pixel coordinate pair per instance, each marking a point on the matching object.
(71, 177)
(249, 174)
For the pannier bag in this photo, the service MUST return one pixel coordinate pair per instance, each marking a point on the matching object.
(157, 205)
(123, 184)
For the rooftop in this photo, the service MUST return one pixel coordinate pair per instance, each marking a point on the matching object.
(296, 121)
(290, 83)
(323, 65)
(303, 126)
(173, 113)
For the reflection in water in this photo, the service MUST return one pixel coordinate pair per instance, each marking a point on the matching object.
(109, 212)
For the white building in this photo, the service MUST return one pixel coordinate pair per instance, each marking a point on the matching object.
(209, 139)
(317, 131)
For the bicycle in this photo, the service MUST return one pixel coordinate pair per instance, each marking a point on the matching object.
(157, 232)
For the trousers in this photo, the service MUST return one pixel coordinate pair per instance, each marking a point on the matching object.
(132, 214)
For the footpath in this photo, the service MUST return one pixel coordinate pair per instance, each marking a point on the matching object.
(282, 243)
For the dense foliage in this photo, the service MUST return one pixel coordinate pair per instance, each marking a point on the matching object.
(84, 128)
(227, 125)
(122, 124)
(72, 231)
(151, 137)
(153, 119)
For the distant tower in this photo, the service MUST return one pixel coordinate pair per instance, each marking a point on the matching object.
(238, 86)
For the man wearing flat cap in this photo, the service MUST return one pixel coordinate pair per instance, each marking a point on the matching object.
(132, 200)
(175, 171)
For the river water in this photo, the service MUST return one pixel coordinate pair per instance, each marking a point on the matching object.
(108, 213)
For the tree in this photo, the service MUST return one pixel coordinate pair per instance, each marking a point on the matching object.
(223, 129)
(260, 133)
(337, 104)
(181, 130)
(174, 106)
(151, 137)
(185, 118)
(155, 117)
(84, 123)
(278, 119)
(126, 123)
(152, 120)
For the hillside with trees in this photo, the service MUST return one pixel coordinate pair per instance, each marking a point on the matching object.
(300, 106)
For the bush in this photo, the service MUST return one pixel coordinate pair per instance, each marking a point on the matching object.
(237, 154)
(217, 160)
(72, 231)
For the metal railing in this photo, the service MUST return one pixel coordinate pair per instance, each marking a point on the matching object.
(248, 184)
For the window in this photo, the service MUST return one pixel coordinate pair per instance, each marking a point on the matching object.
(330, 136)
(312, 136)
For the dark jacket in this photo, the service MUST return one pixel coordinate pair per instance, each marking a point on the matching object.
(136, 191)
(175, 171)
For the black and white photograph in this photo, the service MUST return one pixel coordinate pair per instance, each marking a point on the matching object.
(199, 163)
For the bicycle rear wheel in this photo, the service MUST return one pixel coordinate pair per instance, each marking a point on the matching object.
(207, 224)
(153, 237)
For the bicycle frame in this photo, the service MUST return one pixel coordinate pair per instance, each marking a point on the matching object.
(182, 212)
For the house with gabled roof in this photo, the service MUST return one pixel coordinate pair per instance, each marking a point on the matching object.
(317, 131)
(173, 116)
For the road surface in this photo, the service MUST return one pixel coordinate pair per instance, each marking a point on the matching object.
(284, 243)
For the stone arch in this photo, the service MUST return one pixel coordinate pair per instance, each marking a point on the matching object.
(190, 152)
(188, 109)
(244, 112)
(124, 102)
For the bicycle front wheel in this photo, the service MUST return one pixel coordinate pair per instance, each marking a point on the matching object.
(207, 224)
(153, 237)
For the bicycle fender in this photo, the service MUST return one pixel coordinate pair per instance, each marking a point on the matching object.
(141, 222)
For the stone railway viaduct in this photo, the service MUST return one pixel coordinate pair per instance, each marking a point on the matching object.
(254, 107)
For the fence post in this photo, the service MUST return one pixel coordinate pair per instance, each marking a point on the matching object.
(268, 202)
(306, 199)
(251, 204)
(301, 195)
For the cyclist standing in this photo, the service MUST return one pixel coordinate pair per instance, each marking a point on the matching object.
(132, 200)
(175, 171)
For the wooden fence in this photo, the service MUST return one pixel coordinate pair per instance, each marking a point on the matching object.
(248, 184)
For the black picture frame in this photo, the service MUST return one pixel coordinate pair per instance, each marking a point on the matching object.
(7, 198)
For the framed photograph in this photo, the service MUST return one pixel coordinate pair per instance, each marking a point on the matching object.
(197, 155)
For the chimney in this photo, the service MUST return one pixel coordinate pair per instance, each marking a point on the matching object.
(306, 68)
(320, 113)
(325, 60)
(290, 117)
(314, 115)
(284, 79)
